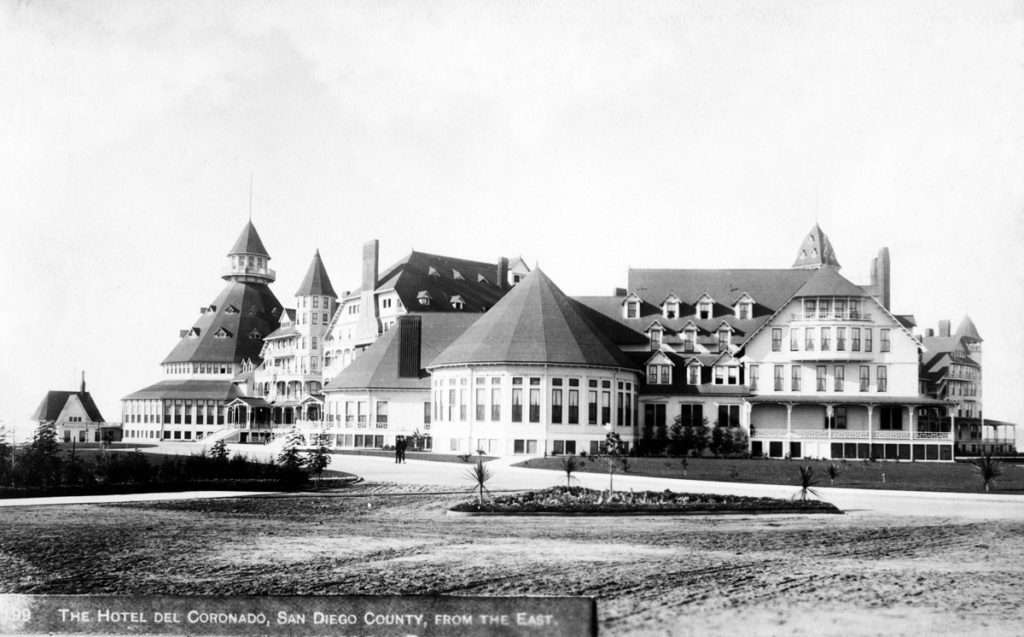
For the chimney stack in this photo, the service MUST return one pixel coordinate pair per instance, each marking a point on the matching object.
(368, 327)
(502, 273)
(944, 328)
(83, 381)
(409, 330)
(930, 333)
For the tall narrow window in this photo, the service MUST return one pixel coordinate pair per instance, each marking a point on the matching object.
(822, 377)
(797, 376)
(855, 339)
(883, 378)
(534, 404)
(839, 373)
(778, 377)
(867, 339)
(794, 339)
(689, 340)
(592, 404)
(517, 400)
(840, 339)
(556, 405)
(809, 339)
(693, 375)
(606, 407)
(495, 400)
(826, 339)
(865, 377)
(574, 406)
(776, 339)
(481, 402)
(723, 340)
(883, 336)
(753, 373)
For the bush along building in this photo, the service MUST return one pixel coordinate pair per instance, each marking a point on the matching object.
(462, 356)
(951, 370)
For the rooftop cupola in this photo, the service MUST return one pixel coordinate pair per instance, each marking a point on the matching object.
(248, 259)
(816, 251)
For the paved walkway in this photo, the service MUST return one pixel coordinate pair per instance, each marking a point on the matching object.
(505, 477)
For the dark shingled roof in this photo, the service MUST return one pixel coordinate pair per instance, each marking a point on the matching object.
(828, 282)
(769, 288)
(816, 251)
(192, 389)
(255, 304)
(412, 275)
(249, 242)
(316, 282)
(377, 366)
(54, 403)
(535, 323)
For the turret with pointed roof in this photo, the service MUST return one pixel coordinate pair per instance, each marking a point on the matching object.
(816, 251)
(968, 331)
(316, 282)
(535, 323)
(249, 259)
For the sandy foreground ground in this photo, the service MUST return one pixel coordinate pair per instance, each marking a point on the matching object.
(912, 566)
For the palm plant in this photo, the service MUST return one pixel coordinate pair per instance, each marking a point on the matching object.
(479, 475)
(808, 480)
(988, 469)
(832, 471)
(570, 465)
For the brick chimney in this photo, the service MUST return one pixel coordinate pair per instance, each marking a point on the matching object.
(368, 327)
(409, 329)
(502, 273)
(83, 381)
(944, 328)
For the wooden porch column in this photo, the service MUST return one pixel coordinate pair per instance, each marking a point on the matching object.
(912, 420)
(829, 414)
(871, 424)
(789, 420)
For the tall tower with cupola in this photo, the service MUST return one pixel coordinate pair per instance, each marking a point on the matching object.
(248, 259)
(315, 304)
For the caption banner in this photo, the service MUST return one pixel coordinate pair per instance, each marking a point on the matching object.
(329, 615)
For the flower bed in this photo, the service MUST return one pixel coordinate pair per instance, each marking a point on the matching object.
(580, 501)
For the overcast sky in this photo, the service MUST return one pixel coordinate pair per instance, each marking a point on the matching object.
(587, 136)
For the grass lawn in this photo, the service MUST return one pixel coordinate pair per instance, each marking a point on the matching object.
(905, 476)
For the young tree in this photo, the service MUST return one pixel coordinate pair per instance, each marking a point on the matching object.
(571, 465)
(219, 452)
(832, 471)
(613, 458)
(479, 475)
(289, 460)
(41, 460)
(318, 457)
(808, 480)
(988, 469)
(676, 438)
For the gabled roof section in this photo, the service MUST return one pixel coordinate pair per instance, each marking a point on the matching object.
(54, 402)
(249, 242)
(316, 282)
(828, 282)
(219, 339)
(771, 288)
(377, 366)
(535, 323)
(436, 275)
(967, 330)
(816, 251)
(659, 358)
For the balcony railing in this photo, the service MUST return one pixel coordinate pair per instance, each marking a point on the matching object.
(854, 434)
(831, 316)
(382, 424)
(246, 270)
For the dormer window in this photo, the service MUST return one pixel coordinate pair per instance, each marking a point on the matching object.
(222, 333)
(457, 275)
(194, 332)
(723, 339)
(631, 307)
(432, 271)
(659, 374)
(423, 297)
(744, 308)
(704, 307)
(482, 279)
(255, 335)
(693, 374)
(670, 307)
(457, 302)
(690, 339)
(231, 309)
(656, 334)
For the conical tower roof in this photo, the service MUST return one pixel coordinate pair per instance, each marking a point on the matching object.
(816, 251)
(316, 282)
(968, 330)
(249, 242)
(534, 323)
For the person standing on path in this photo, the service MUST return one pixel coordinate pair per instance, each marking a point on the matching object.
(401, 450)
(399, 447)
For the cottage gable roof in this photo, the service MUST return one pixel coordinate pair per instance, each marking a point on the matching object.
(54, 402)
(249, 242)
(535, 323)
(223, 334)
(316, 282)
